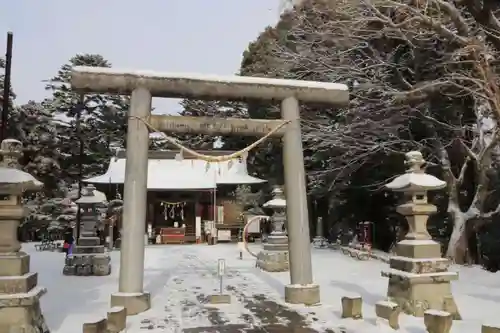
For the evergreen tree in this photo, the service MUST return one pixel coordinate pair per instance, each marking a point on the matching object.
(102, 124)
(32, 125)
(35, 128)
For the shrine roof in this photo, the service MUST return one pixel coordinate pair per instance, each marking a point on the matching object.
(186, 174)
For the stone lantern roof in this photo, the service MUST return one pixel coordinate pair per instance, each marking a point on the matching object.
(11, 178)
(18, 178)
(415, 179)
(278, 200)
(90, 196)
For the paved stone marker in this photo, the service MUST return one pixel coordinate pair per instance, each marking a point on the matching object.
(419, 278)
(437, 321)
(389, 311)
(352, 307)
(142, 86)
(19, 294)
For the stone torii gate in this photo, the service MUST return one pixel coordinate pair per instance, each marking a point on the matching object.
(142, 86)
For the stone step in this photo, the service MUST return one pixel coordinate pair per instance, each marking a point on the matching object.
(88, 249)
(88, 241)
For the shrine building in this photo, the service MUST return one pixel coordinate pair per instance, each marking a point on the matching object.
(186, 195)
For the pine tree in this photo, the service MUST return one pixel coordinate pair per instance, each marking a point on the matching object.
(102, 125)
(34, 127)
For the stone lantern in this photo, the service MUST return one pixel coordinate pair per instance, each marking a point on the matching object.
(89, 256)
(90, 204)
(19, 294)
(274, 256)
(419, 278)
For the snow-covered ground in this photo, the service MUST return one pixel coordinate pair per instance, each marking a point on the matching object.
(179, 277)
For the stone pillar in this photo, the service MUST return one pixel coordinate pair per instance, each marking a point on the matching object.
(73, 196)
(319, 227)
(419, 278)
(111, 223)
(274, 257)
(130, 292)
(319, 240)
(19, 294)
(89, 256)
(301, 288)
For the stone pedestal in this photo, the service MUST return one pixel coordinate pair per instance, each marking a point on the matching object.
(302, 294)
(419, 279)
(88, 258)
(219, 299)
(134, 302)
(274, 256)
(19, 294)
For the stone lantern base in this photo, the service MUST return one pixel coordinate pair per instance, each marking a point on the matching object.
(419, 278)
(274, 256)
(88, 258)
(20, 296)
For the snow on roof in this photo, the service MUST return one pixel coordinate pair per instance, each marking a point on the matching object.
(214, 78)
(411, 182)
(187, 174)
(15, 176)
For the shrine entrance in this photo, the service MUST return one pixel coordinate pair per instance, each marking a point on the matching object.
(142, 86)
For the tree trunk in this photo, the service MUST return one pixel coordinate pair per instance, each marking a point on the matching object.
(458, 245)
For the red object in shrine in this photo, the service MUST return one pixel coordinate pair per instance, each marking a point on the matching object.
(366, 234)
(172, 235)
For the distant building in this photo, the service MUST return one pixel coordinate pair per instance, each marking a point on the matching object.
(187, 192)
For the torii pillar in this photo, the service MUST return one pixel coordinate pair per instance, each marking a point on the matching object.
(142, 86)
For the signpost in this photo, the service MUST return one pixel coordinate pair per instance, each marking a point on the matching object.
(221, 271)
(241, 245)
(220, 298)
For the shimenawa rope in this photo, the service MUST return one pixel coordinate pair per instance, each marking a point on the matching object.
(208, 158)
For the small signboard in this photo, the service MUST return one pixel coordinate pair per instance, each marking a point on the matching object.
(221, 267)
(221, 271)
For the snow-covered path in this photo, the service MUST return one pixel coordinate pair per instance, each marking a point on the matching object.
(180, 277)
(182, 304)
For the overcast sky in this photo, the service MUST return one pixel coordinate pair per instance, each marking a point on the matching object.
(207, 36)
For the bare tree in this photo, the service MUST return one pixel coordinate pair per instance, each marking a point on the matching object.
(423, 75)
